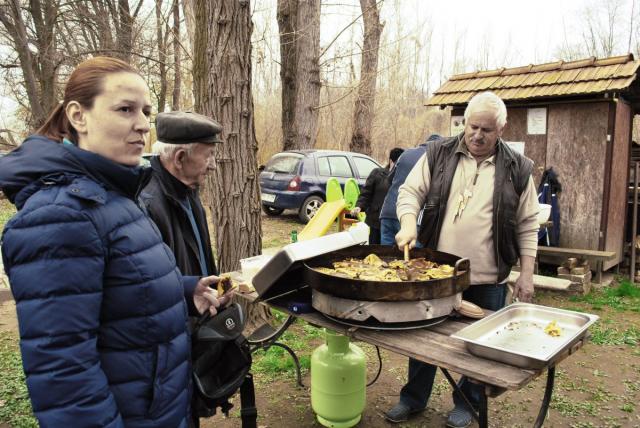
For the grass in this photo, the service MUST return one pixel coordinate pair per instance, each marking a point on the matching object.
(624, 297)
(7, 210)
(568, 407)
(609, 332)
(15, 407)
(276, 361)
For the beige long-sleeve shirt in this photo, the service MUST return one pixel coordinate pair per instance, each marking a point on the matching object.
(470, 233)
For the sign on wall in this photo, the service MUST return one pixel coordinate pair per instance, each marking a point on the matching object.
(457, 125)
(516, 146)
(537, 121)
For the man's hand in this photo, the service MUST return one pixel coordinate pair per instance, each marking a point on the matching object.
(206, 298)
(524, 285)
(408, 232)
(355, 211)
(524, 288)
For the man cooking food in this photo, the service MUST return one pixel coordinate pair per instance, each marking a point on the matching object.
(480, 203)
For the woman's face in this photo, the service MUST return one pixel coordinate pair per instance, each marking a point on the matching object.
(117, 126)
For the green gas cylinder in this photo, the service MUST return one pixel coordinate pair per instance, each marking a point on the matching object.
(338, 382)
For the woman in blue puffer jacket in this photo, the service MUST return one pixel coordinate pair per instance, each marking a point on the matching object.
(102, 308)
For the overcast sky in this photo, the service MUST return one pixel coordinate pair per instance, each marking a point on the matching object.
(519, 32)
(532, 29)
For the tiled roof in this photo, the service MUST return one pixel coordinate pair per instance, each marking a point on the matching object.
(555, 79)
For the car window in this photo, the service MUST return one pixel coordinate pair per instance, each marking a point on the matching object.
(364, 166)
(339, 166)
(323, 167)
(283, 164)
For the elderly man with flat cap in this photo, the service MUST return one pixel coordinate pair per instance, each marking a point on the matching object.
(184, 146)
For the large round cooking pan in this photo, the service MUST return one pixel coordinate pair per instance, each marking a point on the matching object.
(358, 289)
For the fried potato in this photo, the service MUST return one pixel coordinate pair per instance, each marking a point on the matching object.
(373, 268)
(224, 285)
(553, 329)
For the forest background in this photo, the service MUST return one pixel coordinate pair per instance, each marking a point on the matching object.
(422, 44)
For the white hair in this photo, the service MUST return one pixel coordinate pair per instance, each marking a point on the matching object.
(487, 101)
(166, 150)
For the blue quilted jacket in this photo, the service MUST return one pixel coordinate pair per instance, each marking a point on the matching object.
(101, 305)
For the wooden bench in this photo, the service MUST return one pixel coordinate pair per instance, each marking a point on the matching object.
(598, 257)
(544, 282)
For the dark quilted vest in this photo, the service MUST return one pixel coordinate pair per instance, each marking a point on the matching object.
(511, 178)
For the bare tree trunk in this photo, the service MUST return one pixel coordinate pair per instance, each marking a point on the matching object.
(177, 57)
(308, 76)
(287, 13)
(364, 105)
(299, 24)
(162, 57)
(222, 86)
(222, 82)
(125, 35)
(189, 20)
(40, 93)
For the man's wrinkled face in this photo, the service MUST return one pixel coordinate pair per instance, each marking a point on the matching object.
(196, 165)
(481, 133)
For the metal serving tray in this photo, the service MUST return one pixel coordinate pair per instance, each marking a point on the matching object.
(515, 334)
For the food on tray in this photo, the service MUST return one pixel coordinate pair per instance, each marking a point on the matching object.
(224, 284)
(373, 268)
(553, 329)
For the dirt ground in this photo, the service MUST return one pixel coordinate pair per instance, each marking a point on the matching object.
(599, 386)
(594, 387)
(591, 387)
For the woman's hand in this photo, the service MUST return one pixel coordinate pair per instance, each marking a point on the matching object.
(206, 298)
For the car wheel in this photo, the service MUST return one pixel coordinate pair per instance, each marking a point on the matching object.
(310, 207)
(272, 210)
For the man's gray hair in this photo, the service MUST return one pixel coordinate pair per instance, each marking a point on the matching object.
(487, 101)
(166, 151)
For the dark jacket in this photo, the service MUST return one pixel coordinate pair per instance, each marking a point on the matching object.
(372, 196)
(100, 302)
(160, 197)
(512, 175)
(398, 175)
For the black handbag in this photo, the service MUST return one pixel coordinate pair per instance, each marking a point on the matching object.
(221, 364)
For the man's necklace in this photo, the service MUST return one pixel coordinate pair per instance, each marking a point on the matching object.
(466, 193)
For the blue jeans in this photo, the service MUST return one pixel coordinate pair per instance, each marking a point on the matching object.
(421, 375)
(388, 229)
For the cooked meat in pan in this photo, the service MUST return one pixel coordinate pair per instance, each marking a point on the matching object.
(373, 268)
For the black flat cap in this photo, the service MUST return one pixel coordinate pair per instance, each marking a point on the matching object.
(185, 127)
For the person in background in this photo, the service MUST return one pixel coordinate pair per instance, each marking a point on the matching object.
(389, 224)
(372, 196)
(480, 203)
(184, 146)
(102, 308)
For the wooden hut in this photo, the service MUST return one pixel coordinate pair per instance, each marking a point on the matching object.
(577, 118)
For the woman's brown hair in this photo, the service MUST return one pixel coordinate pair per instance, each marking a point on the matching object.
(83, 86)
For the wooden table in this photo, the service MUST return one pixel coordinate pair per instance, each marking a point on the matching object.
(434, 345)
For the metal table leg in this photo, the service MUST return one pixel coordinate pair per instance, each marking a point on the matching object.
(542, 414)
(483, 412)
